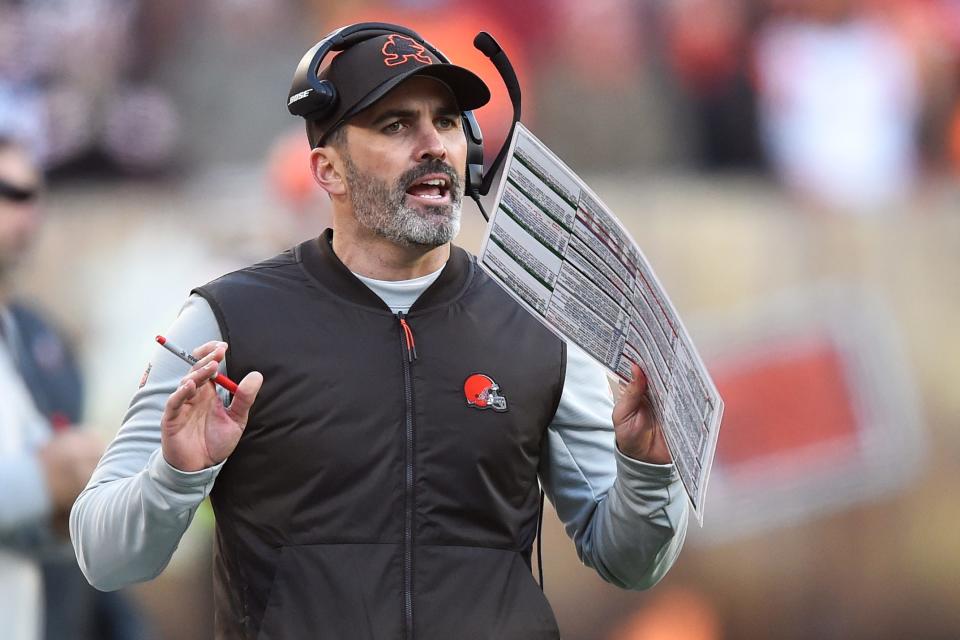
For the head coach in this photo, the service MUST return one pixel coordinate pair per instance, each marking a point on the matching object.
(377, 473)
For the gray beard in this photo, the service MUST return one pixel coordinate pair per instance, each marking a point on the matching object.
(382, 208)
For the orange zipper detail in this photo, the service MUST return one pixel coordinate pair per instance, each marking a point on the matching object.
(408, 333)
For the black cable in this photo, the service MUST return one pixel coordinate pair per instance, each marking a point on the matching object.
(483, 212)
(539, 540)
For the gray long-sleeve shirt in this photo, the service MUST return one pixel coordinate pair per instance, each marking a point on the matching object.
(627, 518)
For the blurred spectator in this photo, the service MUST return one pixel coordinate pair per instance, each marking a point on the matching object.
(931, 28)
(599, 42)
(954, 141)
(44, 460)
(840, 101)
(68, 75)
(706, 45)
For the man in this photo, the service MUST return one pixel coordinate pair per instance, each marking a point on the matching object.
(44, 461)
(363, 487)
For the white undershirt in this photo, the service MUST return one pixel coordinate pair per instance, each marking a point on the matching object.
(400, 295)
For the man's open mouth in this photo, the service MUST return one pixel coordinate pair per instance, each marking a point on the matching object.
(432, 189)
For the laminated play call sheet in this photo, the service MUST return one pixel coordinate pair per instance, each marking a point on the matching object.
(554, 246)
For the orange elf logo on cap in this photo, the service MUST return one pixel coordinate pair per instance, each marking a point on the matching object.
(399, 50)
(483, 393)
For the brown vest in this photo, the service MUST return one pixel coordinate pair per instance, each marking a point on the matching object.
(367, 497)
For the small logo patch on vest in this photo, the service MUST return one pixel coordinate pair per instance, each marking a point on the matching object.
(483, 393)
(146, 374)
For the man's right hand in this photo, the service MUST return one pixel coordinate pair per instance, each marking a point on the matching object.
(197, 431)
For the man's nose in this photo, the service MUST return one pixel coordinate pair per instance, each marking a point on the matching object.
(431, 145)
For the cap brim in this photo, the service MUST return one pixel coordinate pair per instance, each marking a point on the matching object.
(467, 88)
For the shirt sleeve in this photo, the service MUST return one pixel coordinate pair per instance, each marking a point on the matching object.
(128, 521)
(627, 518)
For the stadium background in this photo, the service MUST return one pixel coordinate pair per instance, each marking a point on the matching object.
(789, 167)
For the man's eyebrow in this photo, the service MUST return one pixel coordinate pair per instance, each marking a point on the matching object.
(448, 109)
(399, 114)
(393, 114)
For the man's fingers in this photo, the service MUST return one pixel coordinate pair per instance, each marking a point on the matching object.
(637, 386)
(245, 396)
(216, 355)
(202, 374)
(639, 379)
(632, 397)
(190, 385)
(184, 392)
(208, 347)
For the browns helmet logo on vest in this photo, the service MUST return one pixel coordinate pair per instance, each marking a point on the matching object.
(483, 393)
(399, 50)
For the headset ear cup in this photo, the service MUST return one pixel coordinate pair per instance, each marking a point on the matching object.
(316, 101)
(474, 171)
(474, 167)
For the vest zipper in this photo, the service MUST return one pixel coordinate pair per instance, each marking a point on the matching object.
(408, 335)
(409, 348)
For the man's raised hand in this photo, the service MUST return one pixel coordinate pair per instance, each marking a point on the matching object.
(639, 435)
(196, 430)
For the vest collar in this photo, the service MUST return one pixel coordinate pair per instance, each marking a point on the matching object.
(323, 265)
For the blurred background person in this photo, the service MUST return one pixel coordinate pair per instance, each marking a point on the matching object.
(707, 48)
(45, 457)
(840, 105)
(71, 74)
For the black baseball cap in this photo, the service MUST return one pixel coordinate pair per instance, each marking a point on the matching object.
(368, 70)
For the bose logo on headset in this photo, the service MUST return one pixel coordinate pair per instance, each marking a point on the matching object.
(299, 96)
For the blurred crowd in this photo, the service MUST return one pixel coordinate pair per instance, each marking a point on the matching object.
(851, 104)
(755, 148)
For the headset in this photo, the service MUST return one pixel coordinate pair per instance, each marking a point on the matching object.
(316, 104)
(312, 98)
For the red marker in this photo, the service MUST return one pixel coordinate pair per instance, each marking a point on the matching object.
(220, 379)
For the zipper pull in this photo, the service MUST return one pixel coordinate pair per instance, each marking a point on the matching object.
(408, 333)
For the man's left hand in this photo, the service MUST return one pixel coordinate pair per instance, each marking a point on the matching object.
(638, 432)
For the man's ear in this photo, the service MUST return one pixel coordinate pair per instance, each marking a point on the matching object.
(326, 166)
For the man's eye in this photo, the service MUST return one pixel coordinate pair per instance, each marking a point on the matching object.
(447, 123)
(393, 127)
